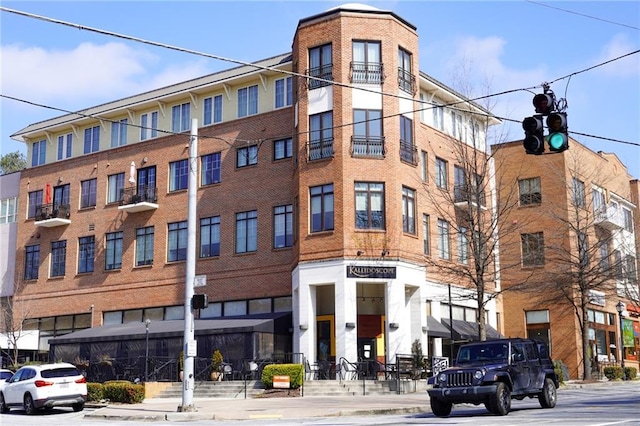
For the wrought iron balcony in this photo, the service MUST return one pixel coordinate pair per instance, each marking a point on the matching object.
(407, 81)
(50, 215)
(465, 196)
(408, 153)
(138, 199)
(367, 72)
(320, 149)
(367, 147)
(324, 72)
(609, 217)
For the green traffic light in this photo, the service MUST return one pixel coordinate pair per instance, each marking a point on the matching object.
(557, 141)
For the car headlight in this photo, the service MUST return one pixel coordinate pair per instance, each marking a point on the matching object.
(478, 374)
(442, 377)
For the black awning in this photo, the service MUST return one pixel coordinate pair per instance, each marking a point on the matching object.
(173, 328)
(436, 329)
(464, 330)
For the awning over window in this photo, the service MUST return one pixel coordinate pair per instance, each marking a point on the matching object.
(436, 329)
(464, 330)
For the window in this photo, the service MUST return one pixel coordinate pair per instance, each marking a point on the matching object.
(212, 110)
(457, 126)
(116, 187)
(247, 156)
(369, 205)
(366, 66)
(91, 139)
(148, 125)
(35, 200)
(463, 245)
(119, 133)
(617, 265)
(31, 262)
(86, 251)
(178, 175)
(583, 249)
(248, 101)
(425, 169)
(283, 226)
(628, 219)
(321, 135)
(407, 149)
(113, 251)
(284, 94)
(61, 198)
(177, 241)
(438, 116)
(530, 192)
(578, 193)
(146, 184)
(8, 209)
(631, 270)
(65, 146)
(39, 153)
(211, 169)
(408, 210)
(321, 208)
(88, 193)
(426, 238)
(210, 236)
(532, 249)
(443, 239)
(605, 262)
(320, 66)
(599, 203)
(406, 80)
(282, 148)
(181, 117)
(367, 124)
(442, 177)
(144, 246)
(247, 231)
(58, 258)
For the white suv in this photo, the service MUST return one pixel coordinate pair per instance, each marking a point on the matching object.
(44, 386)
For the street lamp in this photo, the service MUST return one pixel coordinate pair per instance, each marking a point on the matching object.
(146, 352)
(620, 309)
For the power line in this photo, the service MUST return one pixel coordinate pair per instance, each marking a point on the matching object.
(582, 14)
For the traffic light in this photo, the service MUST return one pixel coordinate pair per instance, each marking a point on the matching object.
(199, 301)
(533, 135)
(558, 138)
(544, 103)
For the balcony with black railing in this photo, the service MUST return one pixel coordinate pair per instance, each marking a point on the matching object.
(367, 72)
(408, 153)
(406, 81)
(367, 147)
(320, 149)
(466, 196)
(138, 199)
(50, 215)
(325, 72)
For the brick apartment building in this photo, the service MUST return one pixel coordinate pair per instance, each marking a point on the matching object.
(322, 176)
(577, 215)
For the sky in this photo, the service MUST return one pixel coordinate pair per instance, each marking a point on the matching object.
(476, 47)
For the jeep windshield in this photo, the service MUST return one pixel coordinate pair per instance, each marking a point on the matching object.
(488, 353)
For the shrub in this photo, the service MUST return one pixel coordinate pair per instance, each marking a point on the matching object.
(630, 373)
(557, 367)
(95, 391)
(613, 372)
(124, 392)
(294, 371)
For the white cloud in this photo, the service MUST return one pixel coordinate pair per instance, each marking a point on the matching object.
(618, 46)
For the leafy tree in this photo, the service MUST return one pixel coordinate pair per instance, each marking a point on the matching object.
(12, 162)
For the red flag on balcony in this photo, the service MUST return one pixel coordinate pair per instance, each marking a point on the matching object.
(47, 194)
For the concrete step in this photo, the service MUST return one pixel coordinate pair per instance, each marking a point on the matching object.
(230, 389)
(346, 388)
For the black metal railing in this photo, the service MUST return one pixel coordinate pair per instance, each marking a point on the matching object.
(319, 149)
(408, 153)
(406, 81)
(52, 211)
(138, 194)
(372, 147)
(325, 72)
(367, 72)
(466, 193)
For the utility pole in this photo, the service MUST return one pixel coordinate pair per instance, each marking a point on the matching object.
(189, 342)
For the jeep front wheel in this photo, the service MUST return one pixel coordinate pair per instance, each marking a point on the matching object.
(500, 402)
(440, 408)
(548, 396)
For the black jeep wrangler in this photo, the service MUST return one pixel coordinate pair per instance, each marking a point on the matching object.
(493, 372)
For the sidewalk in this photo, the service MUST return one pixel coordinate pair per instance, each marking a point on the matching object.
(158, 409)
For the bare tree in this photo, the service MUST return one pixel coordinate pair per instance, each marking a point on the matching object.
(13, 317)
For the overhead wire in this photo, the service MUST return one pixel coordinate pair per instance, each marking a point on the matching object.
(450, 105)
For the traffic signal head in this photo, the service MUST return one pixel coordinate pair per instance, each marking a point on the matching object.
(558, 138)
(533, 135)
(544, 103)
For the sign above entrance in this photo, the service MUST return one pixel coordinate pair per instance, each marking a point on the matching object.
(371, 271)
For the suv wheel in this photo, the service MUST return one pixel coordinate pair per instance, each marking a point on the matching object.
(500, 402)
(78, 407)
(3, 406)
(29, 406)
(440, 408)
(548, 397)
